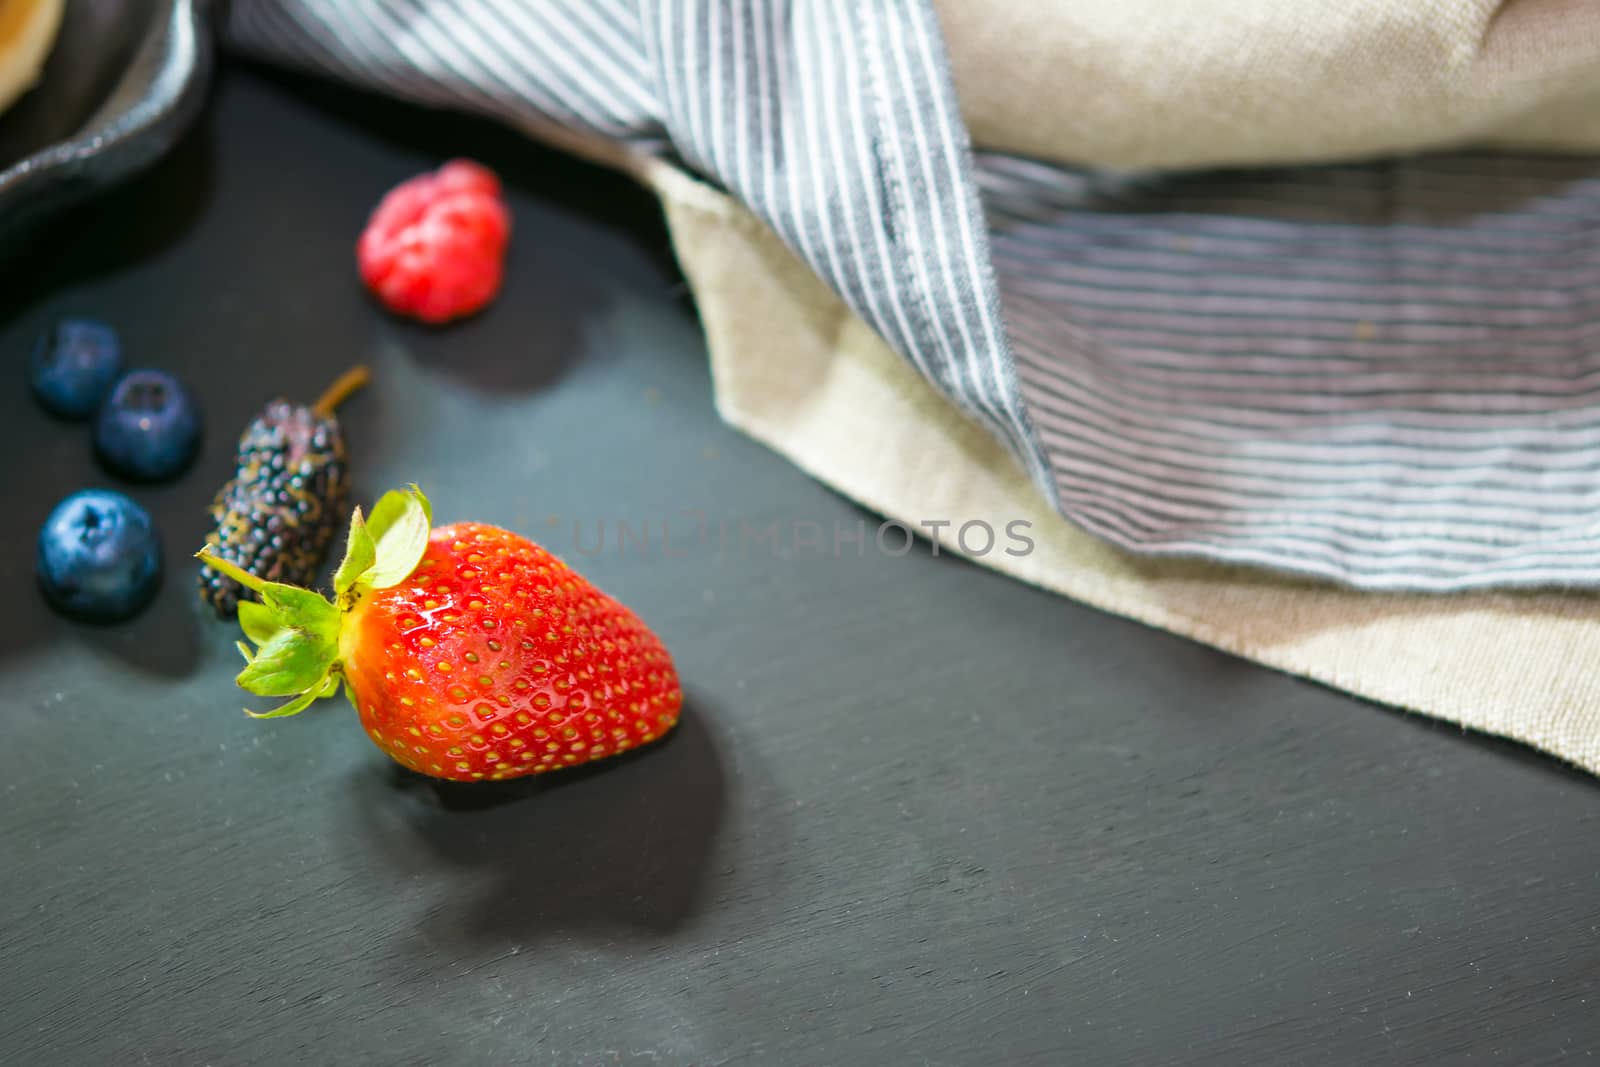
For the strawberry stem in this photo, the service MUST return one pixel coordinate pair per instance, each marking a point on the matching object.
(340, 390)
(295, 630)
(232, 570)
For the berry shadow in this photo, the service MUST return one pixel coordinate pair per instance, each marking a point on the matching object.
(616, 846)
(171, 615)
(582, 234)
(163, 639)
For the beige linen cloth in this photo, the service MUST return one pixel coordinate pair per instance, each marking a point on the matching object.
(1158, 82)
(1185, 83)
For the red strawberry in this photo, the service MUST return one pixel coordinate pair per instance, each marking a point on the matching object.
(435, 246)
(470, 653)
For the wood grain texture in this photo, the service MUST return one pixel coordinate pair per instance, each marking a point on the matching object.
(915, 813)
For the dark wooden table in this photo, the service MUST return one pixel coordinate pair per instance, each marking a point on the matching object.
(916, 812)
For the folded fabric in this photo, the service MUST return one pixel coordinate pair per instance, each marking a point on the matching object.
(796, 369)
(1383, 374)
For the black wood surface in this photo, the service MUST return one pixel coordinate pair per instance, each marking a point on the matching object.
(916, 812)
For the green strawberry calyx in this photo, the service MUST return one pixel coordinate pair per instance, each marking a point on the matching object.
(296, 631)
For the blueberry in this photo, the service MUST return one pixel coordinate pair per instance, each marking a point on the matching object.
(148, 429)
(74, 363)
(99, 556)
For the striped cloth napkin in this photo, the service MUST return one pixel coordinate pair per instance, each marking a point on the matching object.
(1383, 375)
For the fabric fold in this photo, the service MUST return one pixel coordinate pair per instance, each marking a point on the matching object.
(1384, 374)
(795, 369)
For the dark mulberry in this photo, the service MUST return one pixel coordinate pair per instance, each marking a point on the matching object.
(277, 515)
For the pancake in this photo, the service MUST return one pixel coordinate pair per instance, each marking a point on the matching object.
(27, 31)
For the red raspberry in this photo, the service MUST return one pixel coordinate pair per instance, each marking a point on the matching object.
(435, 247)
